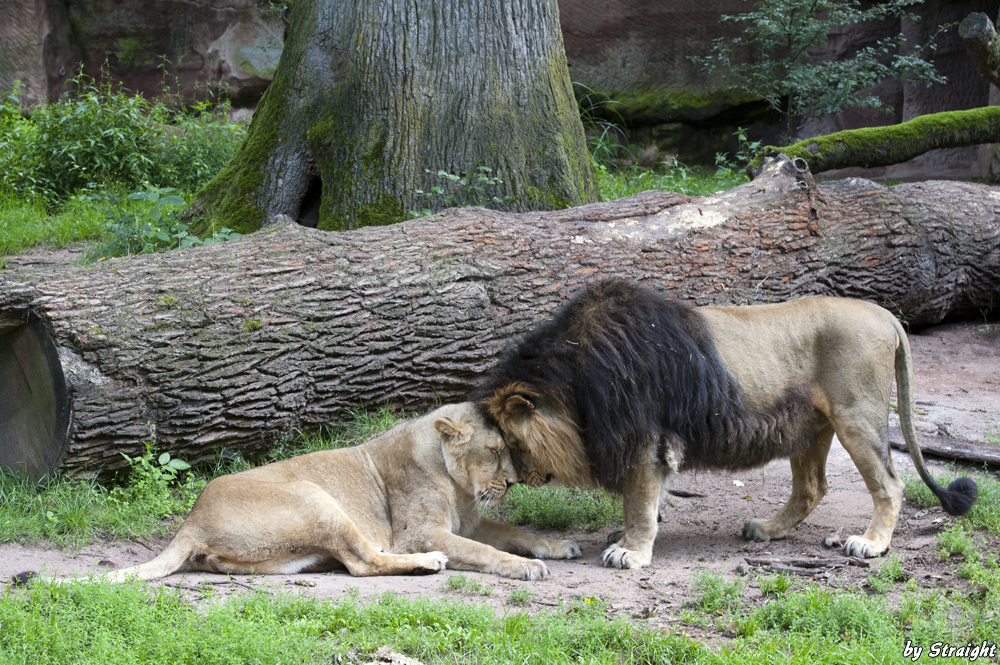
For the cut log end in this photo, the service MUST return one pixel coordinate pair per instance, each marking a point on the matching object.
(34, 409)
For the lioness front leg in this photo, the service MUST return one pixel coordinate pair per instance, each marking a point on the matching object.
(467, 554)
(808, 488)
(517, 541)
(640, 504)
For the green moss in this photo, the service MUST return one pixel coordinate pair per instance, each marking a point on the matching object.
(132, 52)
(229, 199)
(886, 145)
(658, 105)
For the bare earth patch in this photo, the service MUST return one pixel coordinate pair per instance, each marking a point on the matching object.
(957, 383)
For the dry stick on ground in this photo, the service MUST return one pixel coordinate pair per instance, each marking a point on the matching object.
(237, 344)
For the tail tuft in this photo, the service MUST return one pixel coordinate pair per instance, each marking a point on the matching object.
(957, 500)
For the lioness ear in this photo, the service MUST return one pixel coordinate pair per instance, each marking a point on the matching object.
(518, 406)
(452, 432)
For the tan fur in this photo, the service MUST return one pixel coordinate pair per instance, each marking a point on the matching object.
(406, 502)
(846, 352)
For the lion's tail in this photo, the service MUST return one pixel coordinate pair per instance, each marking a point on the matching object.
(958, 498)
(169, 561)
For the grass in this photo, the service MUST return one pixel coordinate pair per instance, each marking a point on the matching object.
(985, 513)
(619, 183)
(562, 508)
(793, 621)
(25, 223)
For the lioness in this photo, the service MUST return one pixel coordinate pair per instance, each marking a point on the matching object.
(624, 388)
(406, 502)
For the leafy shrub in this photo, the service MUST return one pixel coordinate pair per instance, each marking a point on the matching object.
(150, 484)
(97, 133)
(144, 222)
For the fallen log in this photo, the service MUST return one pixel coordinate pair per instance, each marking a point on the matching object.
(950, 448)
(982, 45)
(235, 345)
(871, 147)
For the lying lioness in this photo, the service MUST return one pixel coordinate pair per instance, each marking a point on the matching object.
(406, 502)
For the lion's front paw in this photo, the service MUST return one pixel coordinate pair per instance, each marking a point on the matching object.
(529, 569)
(617, 556)
(430, 562)
(558, 549)
(761, 530)
(862, 547)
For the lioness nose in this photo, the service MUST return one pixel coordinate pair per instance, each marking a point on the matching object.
(511, 483)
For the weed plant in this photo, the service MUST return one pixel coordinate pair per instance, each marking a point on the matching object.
(467, 585)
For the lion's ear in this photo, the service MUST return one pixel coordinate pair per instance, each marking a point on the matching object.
(452, 432)
(518, 406)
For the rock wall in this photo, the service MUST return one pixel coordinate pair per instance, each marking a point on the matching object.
(209, 45)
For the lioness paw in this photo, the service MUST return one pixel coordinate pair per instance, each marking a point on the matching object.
(557, 549)
(617, 556)
(863, 548)
(430, 562)
(566, 549)
(530, 569)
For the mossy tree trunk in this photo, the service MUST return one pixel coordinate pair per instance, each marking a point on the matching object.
(233, 345)
(372, 98)
(895, 144)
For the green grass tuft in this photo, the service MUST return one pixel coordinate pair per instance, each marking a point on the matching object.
(562, 508)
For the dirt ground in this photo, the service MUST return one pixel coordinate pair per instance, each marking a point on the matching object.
(957, 379)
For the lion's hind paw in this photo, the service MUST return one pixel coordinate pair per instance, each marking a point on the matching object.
(617, 556)
(863, 548)
(561, 549)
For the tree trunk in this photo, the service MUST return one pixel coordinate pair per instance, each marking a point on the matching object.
(982, 45)
(895, 144)
(371, 99)
(239, 343)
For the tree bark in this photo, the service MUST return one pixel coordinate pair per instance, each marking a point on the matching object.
(895, 144)
(234, 345)
(371, 99)
(982, 45)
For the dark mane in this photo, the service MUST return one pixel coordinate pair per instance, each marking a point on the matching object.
(636, 369)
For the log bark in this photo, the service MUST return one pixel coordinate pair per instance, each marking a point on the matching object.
(234, 345)
(372, 98)
(884, 146)
(951, 448)
(982, 45)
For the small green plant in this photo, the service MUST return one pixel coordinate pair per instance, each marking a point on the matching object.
(746, 152)
(602, 124)
(955, 540)
(889, 573)
(166, 300)
(521, 596)
(472, 188)
(467, 586)
(144, 222)
(715, 595)
(774, 585)
(150, 483)
(251, 325)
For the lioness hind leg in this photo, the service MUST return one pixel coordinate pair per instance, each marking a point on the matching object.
(808, 488)
(640, 505)
(869, 448)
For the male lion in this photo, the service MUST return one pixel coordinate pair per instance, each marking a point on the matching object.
(624, 388)
(406, 502)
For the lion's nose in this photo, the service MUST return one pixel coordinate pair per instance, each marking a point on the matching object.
(511, 483)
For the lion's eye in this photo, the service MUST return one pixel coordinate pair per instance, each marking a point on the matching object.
(497, 453)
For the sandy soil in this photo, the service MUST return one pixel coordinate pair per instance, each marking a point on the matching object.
(957, 384)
